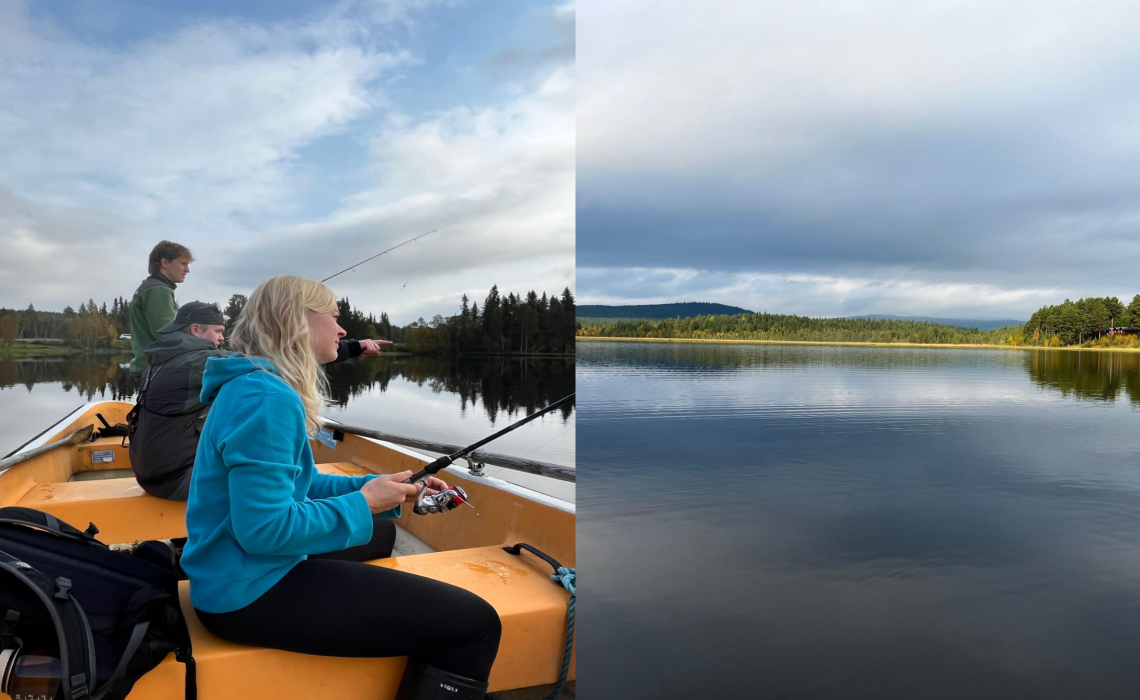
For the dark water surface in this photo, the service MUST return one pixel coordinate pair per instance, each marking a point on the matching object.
(847, 522)
(456, 401)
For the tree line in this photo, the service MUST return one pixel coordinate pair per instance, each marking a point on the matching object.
(91, 327)
(1084, 322)
(506, 325)
(1081, 322)
(764, 326)
(509, 325)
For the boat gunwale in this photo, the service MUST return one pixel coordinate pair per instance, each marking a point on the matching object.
(494, 482)
(525, 492)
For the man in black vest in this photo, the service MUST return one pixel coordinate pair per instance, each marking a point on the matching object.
(165, 424)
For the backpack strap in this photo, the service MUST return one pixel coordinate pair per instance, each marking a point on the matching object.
(128, 653)
(191, 690)
(30, 517)
(144, 386)
(76, 648)
(184, 653)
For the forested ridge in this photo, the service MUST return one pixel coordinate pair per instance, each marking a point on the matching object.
(1084, 323)
(764, 326)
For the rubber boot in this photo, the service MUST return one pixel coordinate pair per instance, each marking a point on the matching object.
(423, 682)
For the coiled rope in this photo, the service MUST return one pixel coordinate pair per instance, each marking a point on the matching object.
(568, 580)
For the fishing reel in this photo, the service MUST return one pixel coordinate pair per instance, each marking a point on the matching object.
(447, 499)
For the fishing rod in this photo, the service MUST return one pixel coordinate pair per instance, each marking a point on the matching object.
(412, 240)
(454, 496)
(446, 460)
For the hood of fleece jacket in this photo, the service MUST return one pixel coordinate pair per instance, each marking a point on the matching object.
(220, 370)
(171, 345)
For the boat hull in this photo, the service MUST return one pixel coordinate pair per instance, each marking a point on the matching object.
(469, 554)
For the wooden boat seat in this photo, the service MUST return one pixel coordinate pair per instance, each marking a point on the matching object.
(531, 606)
(120, 508)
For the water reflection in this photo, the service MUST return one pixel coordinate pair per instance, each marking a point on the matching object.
(92, 377)
(447, 400)
(1099, 376)
(1093, 375)
(501, 385)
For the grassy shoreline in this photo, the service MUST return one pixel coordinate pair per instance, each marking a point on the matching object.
(19, 351)
(595, 338)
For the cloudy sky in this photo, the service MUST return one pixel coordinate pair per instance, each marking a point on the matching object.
(287, 137)
(959, 159)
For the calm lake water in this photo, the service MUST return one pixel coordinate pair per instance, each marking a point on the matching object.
(845, 522)
(444, 400)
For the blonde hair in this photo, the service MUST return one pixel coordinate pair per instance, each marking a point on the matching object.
(273, 325)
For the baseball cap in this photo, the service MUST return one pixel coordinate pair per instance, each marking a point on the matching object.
(196, 312)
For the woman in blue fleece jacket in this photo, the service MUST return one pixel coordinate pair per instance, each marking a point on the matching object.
(268, 532)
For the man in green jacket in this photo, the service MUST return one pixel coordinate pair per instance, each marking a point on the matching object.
(153, 305)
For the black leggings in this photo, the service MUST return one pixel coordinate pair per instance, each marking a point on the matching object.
(332, 607)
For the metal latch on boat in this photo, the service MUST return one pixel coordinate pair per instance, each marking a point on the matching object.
(475, 468)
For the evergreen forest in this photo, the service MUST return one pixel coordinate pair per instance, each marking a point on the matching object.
(1085, 322)
(508, 324)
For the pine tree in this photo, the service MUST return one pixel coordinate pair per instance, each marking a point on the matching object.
(493, 319)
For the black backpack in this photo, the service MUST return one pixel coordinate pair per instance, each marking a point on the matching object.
(108, 616)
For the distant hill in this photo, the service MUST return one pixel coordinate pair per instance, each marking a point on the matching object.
(658, 311)
(957, 322)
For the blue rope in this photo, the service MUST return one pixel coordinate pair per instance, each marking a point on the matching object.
(568, 579)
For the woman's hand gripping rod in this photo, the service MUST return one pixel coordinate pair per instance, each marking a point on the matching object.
(454, 496)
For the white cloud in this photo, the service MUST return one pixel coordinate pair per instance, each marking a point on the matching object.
(816, 295)
(755, 84)
(961, 145)
(189, 124)
(497, 183)
(198, 136)
(56, 256)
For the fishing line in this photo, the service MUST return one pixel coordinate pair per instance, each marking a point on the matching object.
(411, 240)
(546, 443)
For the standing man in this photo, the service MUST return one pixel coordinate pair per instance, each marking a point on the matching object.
(153, 306)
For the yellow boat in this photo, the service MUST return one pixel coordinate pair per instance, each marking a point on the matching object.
(86, 483)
